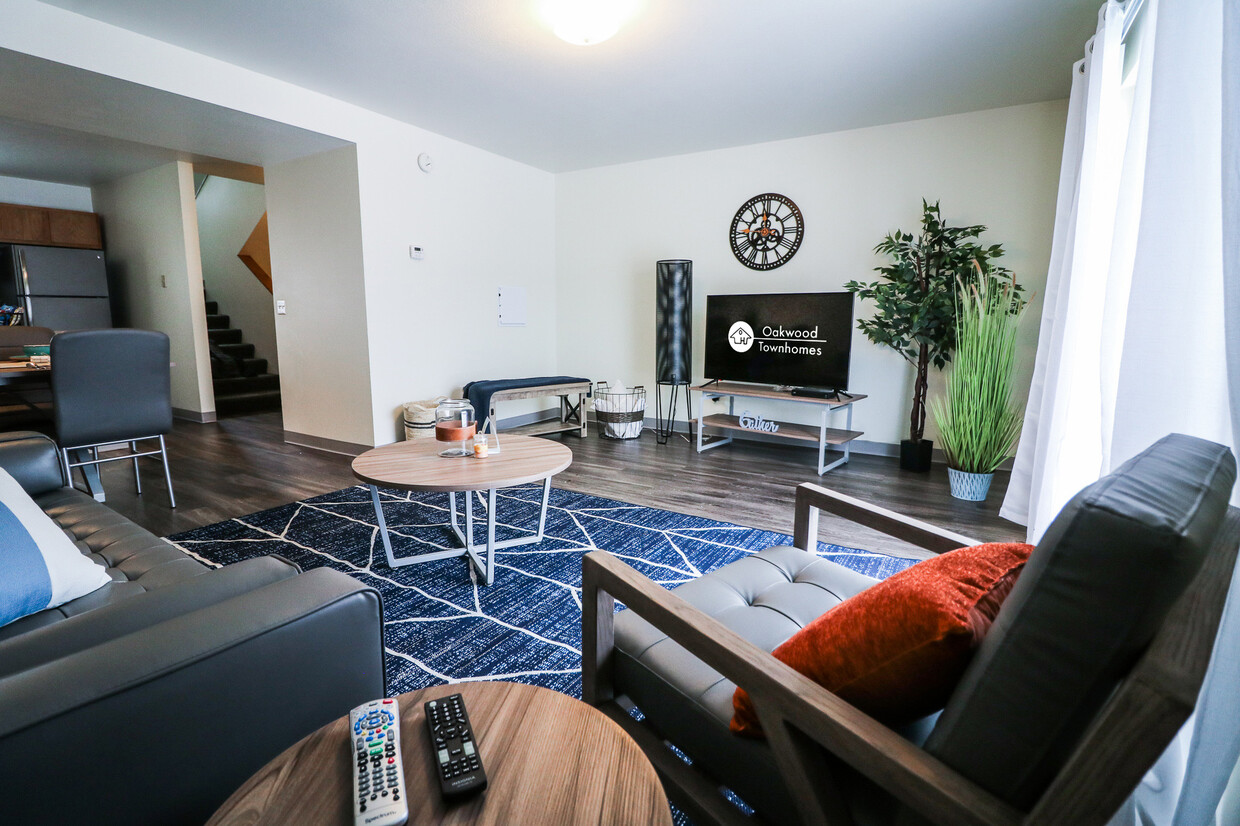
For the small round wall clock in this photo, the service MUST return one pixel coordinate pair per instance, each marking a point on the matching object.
(766, 231)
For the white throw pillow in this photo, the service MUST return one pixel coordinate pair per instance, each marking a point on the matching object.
(40, 567)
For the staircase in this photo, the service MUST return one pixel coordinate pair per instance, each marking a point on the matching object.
(241, 381)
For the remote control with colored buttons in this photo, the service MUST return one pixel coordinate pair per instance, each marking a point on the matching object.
(456, 751)
(378, 775)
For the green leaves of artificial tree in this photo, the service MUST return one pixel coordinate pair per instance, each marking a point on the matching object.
(914, 300)
(914, 297)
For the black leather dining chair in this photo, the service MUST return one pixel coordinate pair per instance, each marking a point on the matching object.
(111, 386)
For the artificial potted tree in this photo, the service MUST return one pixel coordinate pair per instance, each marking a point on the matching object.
(978, 417)
(914, 305)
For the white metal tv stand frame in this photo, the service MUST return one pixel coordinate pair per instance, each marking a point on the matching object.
(822, 434)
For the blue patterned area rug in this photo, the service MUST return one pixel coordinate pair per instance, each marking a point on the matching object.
(441, 625)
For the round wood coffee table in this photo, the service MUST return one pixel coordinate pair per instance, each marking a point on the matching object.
(417, 465)
(549, 760)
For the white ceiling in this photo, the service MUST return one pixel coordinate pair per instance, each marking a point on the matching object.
(92, 128)
(682, 76)
(46, 153)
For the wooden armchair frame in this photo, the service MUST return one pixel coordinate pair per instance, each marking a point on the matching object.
(802, 719)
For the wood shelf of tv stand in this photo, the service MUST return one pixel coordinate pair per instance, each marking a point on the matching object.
(821, 435)
(758, 391)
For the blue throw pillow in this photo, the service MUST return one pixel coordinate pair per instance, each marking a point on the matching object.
(40, 567)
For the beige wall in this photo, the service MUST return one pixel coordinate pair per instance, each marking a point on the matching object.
(227, 213)
(150, 233)
(998, 167)
(316, 252)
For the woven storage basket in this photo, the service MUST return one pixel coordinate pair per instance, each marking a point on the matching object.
(420, 418)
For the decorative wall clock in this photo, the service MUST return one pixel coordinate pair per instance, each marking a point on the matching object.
(766, 231)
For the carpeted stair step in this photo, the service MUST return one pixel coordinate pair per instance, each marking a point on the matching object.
(238, 351)
(213, 307)
(248, 402)
(245, 384)
(230, 336)
(252, 367)
(246, 368)
(217, 322)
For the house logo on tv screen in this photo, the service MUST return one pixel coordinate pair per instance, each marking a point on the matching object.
(740, 337)
(774, 340)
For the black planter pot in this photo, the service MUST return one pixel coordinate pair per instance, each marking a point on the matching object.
(915, 456)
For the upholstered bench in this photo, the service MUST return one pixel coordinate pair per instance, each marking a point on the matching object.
(484, 395)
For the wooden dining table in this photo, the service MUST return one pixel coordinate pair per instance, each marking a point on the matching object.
(15, 371)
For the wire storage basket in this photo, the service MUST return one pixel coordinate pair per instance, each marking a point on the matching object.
(621, 413)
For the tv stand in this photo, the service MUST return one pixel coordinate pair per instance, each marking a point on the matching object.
(731, 423)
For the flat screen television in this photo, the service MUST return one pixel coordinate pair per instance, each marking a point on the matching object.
(789, 339)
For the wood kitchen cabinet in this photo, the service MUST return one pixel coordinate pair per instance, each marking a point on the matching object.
(49, 227)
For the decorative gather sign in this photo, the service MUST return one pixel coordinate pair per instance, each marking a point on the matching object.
(751, 422)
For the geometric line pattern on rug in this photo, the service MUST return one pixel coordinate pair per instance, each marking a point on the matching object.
(440, 624)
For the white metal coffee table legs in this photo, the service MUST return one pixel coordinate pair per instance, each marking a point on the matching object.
(484, 562)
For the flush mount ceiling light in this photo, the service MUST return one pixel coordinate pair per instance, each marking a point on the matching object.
(586, 22)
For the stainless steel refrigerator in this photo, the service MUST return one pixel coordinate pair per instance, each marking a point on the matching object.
(65, 289)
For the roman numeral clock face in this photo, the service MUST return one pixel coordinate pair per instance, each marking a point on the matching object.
(766, 232)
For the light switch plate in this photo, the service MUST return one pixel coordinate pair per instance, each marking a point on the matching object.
(281, 309)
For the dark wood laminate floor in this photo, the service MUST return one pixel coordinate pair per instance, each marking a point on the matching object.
(240, 465)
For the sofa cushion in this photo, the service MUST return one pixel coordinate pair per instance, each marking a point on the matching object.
(766, 598)
(144, 610)
(897, 650)
(32, 459)
(136, 560)
(1094, 592)
(41, 567)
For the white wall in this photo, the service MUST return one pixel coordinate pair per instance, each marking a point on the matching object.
(610, 225)
(44, 194)
(484, 222)
(227, 213)
(996, 167)
(151, 232)
(316, 250)
(495, 230)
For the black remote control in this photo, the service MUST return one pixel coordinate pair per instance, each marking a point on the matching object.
(819, 393)
(456, 751)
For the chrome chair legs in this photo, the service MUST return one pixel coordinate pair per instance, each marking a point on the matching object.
(133, 455)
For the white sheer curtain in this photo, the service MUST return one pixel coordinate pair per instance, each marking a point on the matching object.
(1132, 343)
(1066, 427)
(1140, 332)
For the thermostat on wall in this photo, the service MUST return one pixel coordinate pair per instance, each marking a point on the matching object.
(424, 162)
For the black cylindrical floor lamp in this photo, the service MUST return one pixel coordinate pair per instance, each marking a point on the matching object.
(673, 331)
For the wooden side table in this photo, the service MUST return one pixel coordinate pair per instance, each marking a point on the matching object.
(417, 465)
(549, 760)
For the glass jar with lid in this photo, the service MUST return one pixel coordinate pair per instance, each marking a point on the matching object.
(455, 425)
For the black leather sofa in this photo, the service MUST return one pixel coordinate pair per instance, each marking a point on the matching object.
(152, 699)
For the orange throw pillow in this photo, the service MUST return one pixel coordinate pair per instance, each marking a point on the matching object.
(897, 649)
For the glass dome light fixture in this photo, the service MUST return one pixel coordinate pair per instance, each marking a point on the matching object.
(586, 22)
